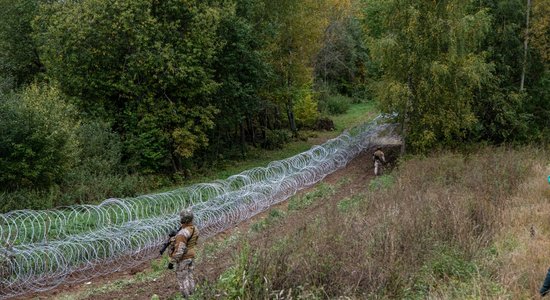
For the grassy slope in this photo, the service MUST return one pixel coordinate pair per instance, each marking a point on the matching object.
(449, 226)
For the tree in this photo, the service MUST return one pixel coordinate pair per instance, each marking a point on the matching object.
(431, 64)
(540, 29)
(38, 138)
(340, 62)
(241, 69)
(298, 26)
(501, 106)
(539, 106)
(19, 61)
(148, 63)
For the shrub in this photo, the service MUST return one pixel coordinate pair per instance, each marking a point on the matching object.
(28, 199)
(306, 111)
(101, 148)
(335, 105)
(38, 138)
(325, 123)
(275, 138)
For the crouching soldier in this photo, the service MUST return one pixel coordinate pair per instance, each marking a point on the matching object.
(378, 159)
(183, 253)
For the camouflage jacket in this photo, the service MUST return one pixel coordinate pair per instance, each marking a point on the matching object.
(184, 244)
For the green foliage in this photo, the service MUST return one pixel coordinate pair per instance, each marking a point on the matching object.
(499, 106)
(340, 63)
(274, 216)
(446, 264)
(28, 199)
(335, 104)
(101, 148)
(19, 61)
(146, 63)
(350, 203)
(241, 68)
(297, 27)
(276, 139)
(38, 139)
(432, 66)
(305, 109)
(238, 282)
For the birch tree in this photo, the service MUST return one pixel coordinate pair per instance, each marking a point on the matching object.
(428, 54)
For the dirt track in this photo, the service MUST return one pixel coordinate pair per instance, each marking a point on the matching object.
(358, 174)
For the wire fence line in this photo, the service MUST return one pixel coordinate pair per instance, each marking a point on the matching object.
(42, 249)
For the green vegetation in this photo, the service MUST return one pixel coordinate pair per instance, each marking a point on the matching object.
(274, 216)
(417, 238)
(444, 226)
(452, 70)
(321, 191)
(103, 99)
(349, 203)
(160, 92)
(150, 94)
(382, 182)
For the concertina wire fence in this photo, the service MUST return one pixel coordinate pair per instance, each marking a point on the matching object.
(41, 249)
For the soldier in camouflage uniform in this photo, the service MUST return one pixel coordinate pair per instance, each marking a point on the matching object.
(378, 159)
(183, 253)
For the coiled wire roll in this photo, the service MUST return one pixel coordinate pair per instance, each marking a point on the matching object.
(42, 249)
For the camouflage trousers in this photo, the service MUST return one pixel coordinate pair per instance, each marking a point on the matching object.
(377, 167)
(184, 275)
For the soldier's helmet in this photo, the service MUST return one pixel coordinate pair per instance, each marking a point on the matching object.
(186, 216)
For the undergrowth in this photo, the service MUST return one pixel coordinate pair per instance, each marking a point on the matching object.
(430, 230)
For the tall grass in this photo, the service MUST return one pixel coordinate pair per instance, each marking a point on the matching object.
(434, 232)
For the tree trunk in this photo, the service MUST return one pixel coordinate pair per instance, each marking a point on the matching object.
(277, 121)
(243, 140)
(251, 130)
(291, 120)
(525, 42)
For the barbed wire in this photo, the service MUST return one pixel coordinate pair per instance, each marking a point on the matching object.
(42, 249)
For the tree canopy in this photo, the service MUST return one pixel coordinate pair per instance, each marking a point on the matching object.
(129, 88)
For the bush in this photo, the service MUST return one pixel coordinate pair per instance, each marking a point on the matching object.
(84, 189)
(325, 124)
(28, 199)
(335, 105)
(275, 138)
(306, 111)
(101, 148)
(38, 138)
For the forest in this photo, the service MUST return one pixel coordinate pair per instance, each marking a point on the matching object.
(115, 98)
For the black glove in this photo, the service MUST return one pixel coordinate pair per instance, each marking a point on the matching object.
(170, 266)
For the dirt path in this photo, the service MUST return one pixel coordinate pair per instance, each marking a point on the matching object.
(357, 173)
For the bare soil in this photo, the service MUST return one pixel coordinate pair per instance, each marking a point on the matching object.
(358, 174)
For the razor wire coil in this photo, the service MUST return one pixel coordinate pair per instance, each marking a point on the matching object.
(42, 249)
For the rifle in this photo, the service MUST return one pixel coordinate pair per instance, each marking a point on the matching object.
(167, 243)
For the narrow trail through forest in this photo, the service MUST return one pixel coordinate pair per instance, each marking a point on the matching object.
(357, 175)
